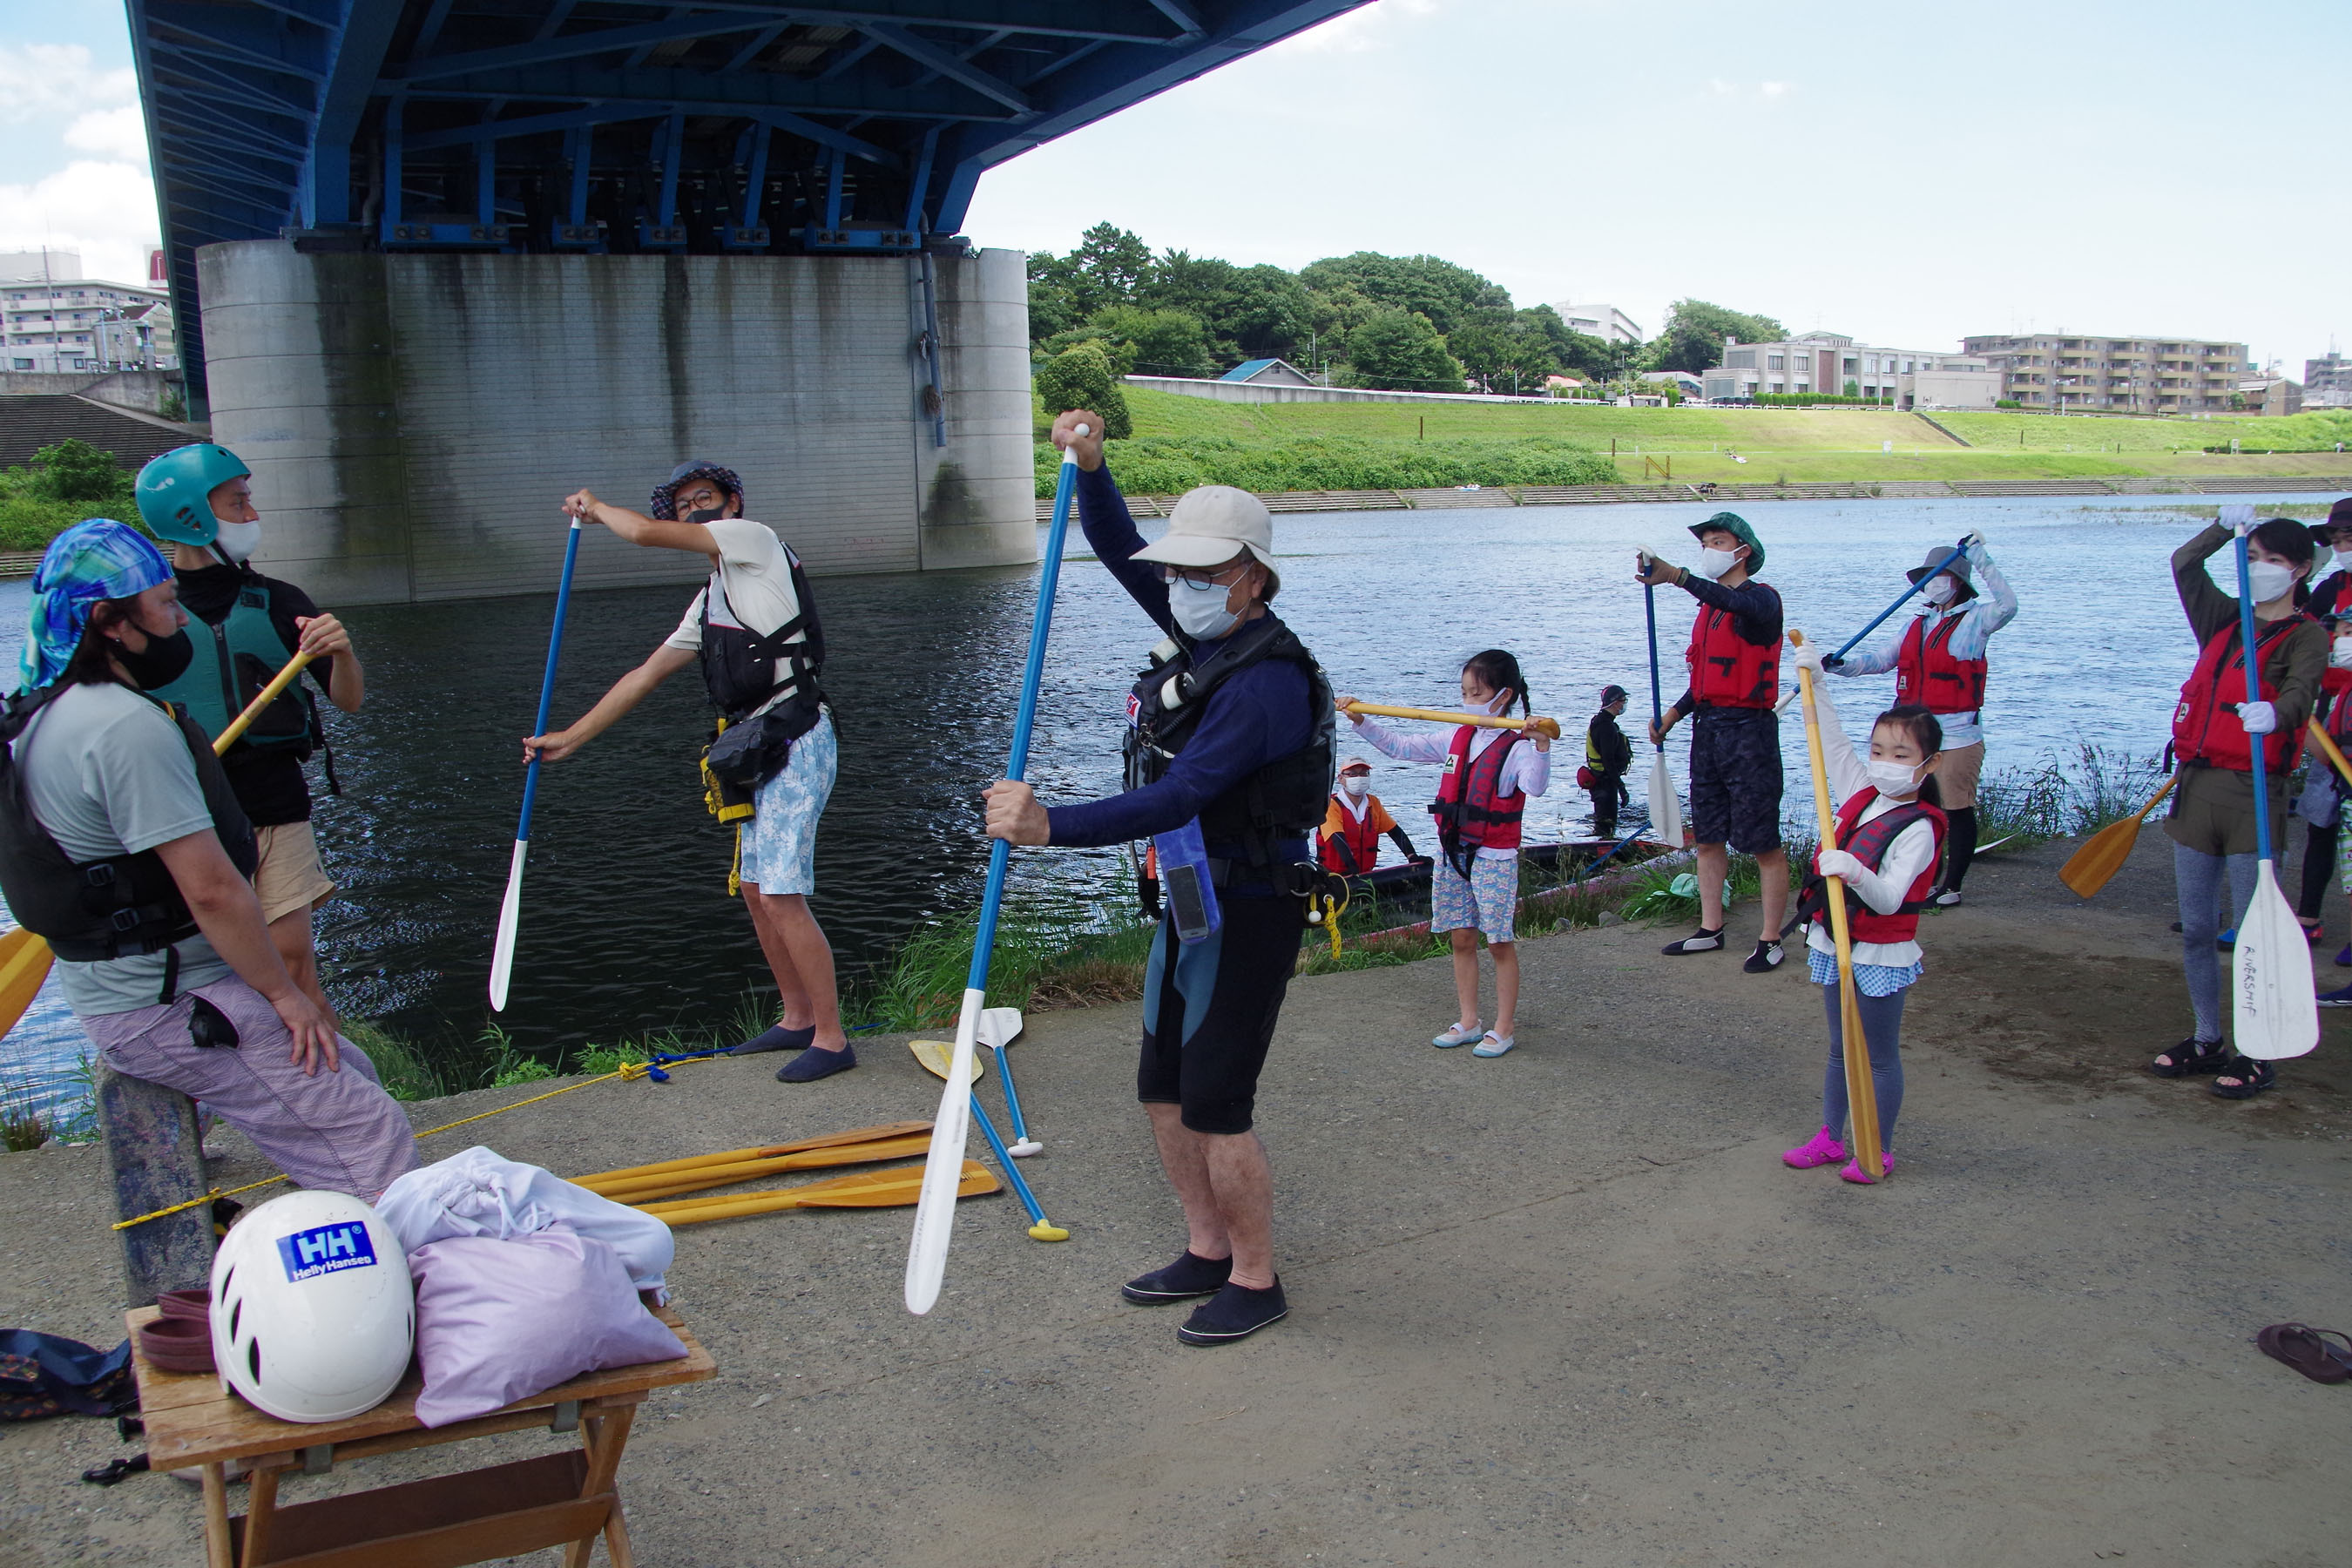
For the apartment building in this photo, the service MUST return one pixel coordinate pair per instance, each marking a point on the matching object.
(2328, 382)
(1607, 322)
(2059, 371)
(1830, 365)
(53, 319)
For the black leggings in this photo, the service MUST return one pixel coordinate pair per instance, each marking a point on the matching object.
(2318, 868)
(1959, 845)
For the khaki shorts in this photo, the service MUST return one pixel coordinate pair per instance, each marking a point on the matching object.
(289, 877)
(1956, 772)
(2213, 810)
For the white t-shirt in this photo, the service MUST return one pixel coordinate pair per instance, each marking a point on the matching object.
(754, 584)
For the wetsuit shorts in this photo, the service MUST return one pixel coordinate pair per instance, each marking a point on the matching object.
(1209, 1011)
(1735, 778)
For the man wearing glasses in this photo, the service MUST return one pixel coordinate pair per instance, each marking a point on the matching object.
(1232, 729)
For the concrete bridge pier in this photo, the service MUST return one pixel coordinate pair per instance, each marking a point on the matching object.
(413, 419)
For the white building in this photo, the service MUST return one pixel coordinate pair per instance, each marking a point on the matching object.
(1830, 365)
(53, 319)
(1606, 322)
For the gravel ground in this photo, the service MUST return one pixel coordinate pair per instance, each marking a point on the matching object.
(1566, 1307)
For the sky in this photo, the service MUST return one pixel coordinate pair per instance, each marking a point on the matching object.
(1907, 175)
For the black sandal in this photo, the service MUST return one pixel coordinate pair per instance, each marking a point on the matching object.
(2191, 1056)
(2303, 1348)
(2253, 1078)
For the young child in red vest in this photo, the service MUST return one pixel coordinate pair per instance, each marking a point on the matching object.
(1348, 842)
(1474, 885)
(1892, 831)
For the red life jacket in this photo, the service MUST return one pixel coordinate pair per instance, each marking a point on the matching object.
(1727, 670)
(1357, 834)
(1469, 814)
(1926, 673)
(2205, 727)
(1868, 844)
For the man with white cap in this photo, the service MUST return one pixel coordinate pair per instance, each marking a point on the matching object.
(1938, 658)
(1229, 752)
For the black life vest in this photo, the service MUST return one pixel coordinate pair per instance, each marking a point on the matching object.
(1868, 843)
(1470, 810)
(1284, 799)
(740, 665)
(120, 906)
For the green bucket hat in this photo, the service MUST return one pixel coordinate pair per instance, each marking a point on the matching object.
(1736, 526)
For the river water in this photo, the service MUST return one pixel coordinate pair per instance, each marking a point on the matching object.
(626, 927)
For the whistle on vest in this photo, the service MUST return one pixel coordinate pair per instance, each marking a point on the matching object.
(1177, 690)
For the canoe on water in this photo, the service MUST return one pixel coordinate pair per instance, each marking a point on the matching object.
(1401, 882)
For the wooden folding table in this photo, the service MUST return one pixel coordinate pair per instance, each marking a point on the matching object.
(565, 1499)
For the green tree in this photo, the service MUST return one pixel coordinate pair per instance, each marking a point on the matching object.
(1107, 267)
(1510, 357)
(1576, 352)
(73, 469)
(1082, 377)
(1154, 343)
(1449, 296)
(1693, 337)
(1401, 350)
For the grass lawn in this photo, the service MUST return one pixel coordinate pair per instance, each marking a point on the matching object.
(1182, 441)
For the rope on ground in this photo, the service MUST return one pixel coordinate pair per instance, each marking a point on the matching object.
(627, 1072)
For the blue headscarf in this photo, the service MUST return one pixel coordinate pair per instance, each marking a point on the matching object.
(97, 558)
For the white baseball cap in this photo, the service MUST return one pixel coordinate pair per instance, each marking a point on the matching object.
(1213, 524)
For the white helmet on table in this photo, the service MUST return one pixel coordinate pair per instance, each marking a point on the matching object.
(313, 1313)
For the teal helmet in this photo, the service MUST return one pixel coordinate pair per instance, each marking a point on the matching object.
(175, 490)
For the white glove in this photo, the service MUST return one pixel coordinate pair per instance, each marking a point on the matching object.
(1972, 543)
(2259, 717)
(2239, 520)
(1808, 657)
(1839, 864)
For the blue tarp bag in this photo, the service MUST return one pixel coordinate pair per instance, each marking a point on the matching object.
(43, 1375)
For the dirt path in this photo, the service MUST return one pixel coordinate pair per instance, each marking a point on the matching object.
(1565, 1306)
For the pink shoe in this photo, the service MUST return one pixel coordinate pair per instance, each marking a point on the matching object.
(1852, 1171)
(1824, 1150)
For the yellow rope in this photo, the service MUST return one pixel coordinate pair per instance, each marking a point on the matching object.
(628, 1071)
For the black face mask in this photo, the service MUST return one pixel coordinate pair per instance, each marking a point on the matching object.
(163, 661)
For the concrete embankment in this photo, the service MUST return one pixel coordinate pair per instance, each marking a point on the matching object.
(1844, 489)
(1566, 1307)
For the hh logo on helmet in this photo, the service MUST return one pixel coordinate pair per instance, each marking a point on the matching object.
(328, 1249)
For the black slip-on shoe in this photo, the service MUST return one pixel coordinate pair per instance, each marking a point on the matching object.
(1700, 941)
(1189, 1275)
(775, 1038)
(1765, 959)
(813, 1064)
(1234, 1313)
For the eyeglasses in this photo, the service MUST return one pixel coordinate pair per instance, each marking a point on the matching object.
(1206, 576)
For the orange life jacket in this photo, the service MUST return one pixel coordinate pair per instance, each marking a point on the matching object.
(2206, 729)
(1362, 841)
(1926, 673)
(1727, 670)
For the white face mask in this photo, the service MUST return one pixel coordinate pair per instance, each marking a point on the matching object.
(1937, 590)
(2270, 580)
(2344, 553)
(1893, 778)
(1500, 703)
(1356, 784)
(1200, 609)
(1714, 563)
(2340, 653)
(238, 540)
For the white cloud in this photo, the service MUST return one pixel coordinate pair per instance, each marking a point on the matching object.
(54, 81)
(1769, 91)
(106, 211)
(1358, 31)
(1775, 88)
(114, 132)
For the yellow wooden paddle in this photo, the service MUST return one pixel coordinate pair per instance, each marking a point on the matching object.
(2103, 854)
(645, 1189)
(599, 1179)
(900, 1188)
(1861, 1095)
(935, 1056)
(2334, 757)
(1548, 728)
(25, 964)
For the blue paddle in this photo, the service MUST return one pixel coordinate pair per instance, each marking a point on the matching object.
(2273, 1014)
(926, 1254)
(1900, 600)
(510, 911)
(1665, 806)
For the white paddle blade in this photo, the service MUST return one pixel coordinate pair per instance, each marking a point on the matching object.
(1665, 807)
(999, 1027)
(2273, 1013)
(926, 1254)
(510, 920)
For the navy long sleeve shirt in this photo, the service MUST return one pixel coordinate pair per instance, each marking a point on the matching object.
(1255, 717)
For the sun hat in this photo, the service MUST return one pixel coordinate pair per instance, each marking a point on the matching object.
(1210, 526)
(96, 559)
(1734, 524)
(664, 495)
(1355, 765)
(1958, 569)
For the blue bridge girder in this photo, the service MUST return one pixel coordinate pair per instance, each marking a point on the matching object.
(634, 125)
